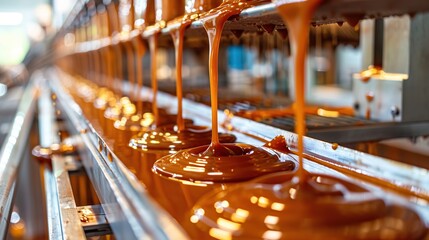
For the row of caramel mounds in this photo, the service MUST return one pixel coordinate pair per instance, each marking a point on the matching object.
(214, 187)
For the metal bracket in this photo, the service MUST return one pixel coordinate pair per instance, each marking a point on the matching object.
(93, 220)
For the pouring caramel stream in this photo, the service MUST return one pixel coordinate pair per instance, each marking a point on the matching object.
(153, 47)
(213, 23)
(297, 16)
(178, 36)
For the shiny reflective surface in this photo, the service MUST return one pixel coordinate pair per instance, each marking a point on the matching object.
(170, 138)
(244, 163)
(278, 206)
(12, 150)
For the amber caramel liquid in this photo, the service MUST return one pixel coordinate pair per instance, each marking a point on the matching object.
(297, 17)
(300, 205)
(153, 47)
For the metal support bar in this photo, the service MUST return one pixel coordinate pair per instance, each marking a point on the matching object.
(52, 206)
(47, 138)
(378, 43)
(11, 153)
(63, 219)
(372, 132)
(94, 220)
(70, 220)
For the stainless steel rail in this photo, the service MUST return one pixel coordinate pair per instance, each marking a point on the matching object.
(63, 219)
(46, 139)
(12, 151)
(372, 132)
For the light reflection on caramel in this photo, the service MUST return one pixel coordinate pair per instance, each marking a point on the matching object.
(300, 205)
(322, 207)
(194, 165)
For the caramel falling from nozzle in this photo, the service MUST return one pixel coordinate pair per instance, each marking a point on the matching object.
(297, 16)
(153, 46)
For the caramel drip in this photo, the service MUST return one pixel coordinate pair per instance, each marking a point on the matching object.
(119, 66)
(130, 66)
(213, 23)
(178, 35)
(214, 41)
(369, 96)
(278, 143)
(297, 16)
(113, 28)
(153, 47)
(139, 74)
(183, 135)
(109, 54)
(109, 65)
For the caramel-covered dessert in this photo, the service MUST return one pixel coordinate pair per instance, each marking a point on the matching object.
(189, 174)
(105, 99)
(281, 206)
(242, 162)
(126, 128)
(122, 108)
(297, 16)
(169, 138)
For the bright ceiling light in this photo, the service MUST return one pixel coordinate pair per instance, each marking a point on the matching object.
(10, 18)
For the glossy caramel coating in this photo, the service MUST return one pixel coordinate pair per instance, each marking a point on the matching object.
(169, 138)
(279, 206)
(243, 162)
